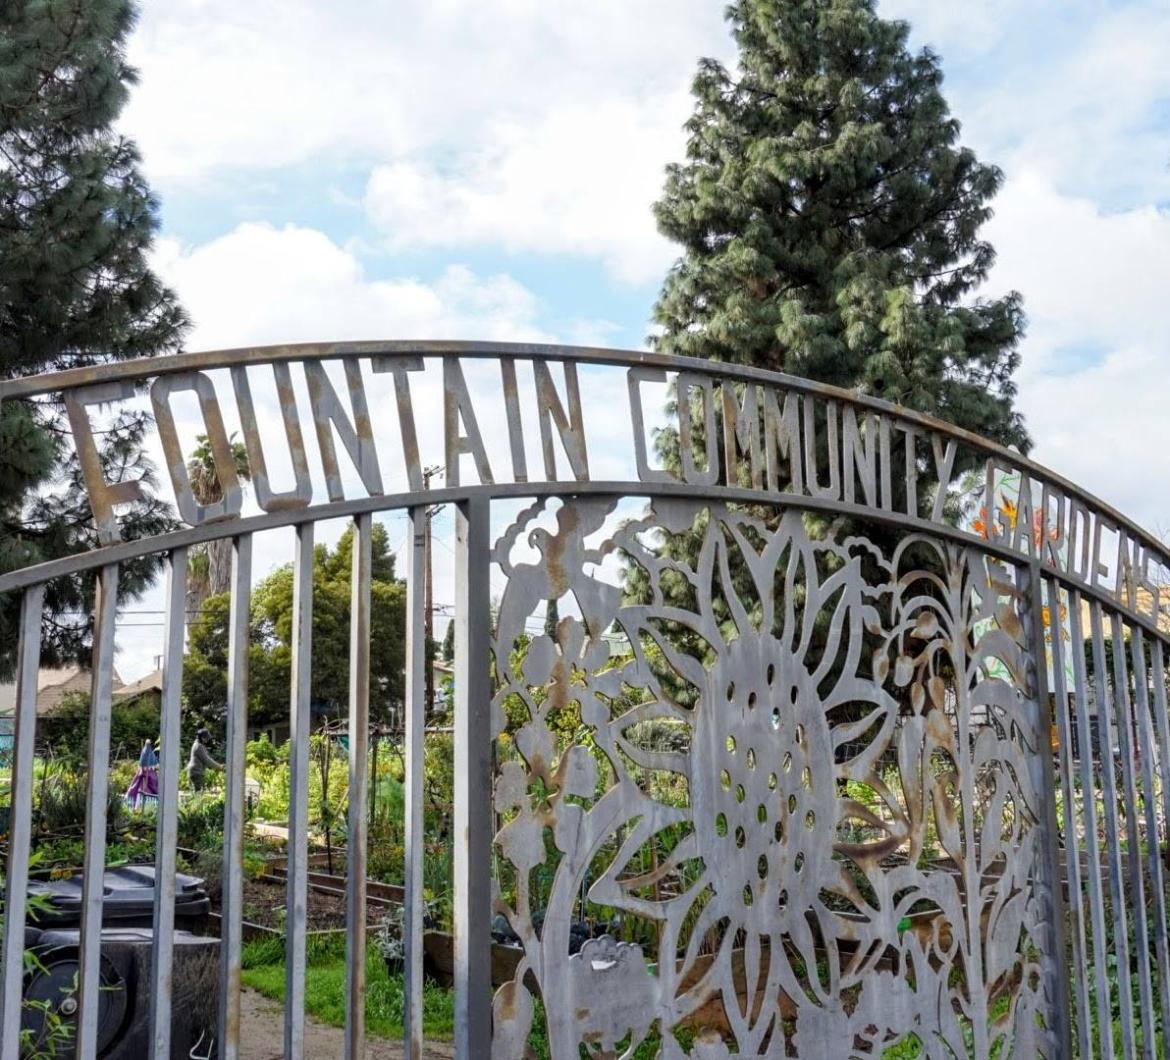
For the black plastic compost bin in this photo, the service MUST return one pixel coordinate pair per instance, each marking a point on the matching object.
(127, 951)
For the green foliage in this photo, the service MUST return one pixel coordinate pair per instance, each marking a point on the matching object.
(50, 1035)
(448, 651)
(76, 222)
(65, 728)
(200, 822)
(325, 990)
(829, 221)
(59, 799)
(270, 652)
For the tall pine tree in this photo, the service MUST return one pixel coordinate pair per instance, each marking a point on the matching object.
(76, 222)
(830, 220)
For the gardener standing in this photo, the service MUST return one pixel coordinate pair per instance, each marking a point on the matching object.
(201, 761)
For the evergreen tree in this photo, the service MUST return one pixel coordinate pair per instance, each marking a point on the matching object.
(830, 221)
(270, 652)
(449, 642)
(76, 221)
(552, 618)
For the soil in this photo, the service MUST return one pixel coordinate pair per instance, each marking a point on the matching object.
(264, 902)
(262, 1035)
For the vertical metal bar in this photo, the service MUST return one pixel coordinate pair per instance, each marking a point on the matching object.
(415, 768)
(359, 738)
(166, 833)
(1137, 889)
(1162, 734)
(28, 658)
(1150, 798)
(97, 794)
(1072, 855)
(298, 824)
(1112, 830)
(1101, 948)
(473, 813)
(235, 766)
(1056, 955)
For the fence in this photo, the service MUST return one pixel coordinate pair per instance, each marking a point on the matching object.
(802, 743)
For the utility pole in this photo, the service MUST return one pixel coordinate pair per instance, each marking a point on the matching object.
(429, 596)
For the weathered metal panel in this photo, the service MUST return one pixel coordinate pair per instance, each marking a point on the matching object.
(819, 670)
(97, 793)
(166, 834)
(473, 819)
(820, 787)
(416, 661)
(359, 730)
(20, 818)
(298, 808)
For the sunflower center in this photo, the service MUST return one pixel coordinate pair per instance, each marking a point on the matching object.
(763, 788)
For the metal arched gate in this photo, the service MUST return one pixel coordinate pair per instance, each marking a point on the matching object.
(869, 754)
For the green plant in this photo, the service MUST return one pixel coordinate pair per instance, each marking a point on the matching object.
(60, 803)
(51, 1035)
(65, 728)
(387, 940)
(325, 988)
(200, 822)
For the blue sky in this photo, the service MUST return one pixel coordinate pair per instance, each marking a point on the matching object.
(449, 168)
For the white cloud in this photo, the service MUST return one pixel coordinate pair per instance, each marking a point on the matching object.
(528, 126)
(261, 284)
(970, 26)
(534, 126)
(1092, 119)
(228, 86)
(1094, 384)
(1090, 278)
(579, 181)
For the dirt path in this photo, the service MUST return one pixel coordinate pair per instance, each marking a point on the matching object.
(262, 1032)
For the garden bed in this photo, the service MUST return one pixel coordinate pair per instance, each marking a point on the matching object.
(265, 899)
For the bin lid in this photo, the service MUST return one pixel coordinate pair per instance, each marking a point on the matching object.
(127, 893)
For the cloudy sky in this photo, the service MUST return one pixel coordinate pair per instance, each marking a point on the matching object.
(450, 168)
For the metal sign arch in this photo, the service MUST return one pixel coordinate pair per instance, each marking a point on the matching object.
(798, 918)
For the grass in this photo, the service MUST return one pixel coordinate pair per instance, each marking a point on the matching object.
(325, 989)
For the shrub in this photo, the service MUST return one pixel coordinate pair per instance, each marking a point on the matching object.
(65, 728)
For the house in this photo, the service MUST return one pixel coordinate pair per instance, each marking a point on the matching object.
(53, 685)
(148, 687)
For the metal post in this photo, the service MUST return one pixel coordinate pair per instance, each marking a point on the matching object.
(1130, 802)
(473, 798)
(1112, 828)
(20, 817)
(1072, 856)
(166, 834)
(1153, 840)
(1035, 605)
(235, 765)
(1101, 946)
(97, 794)
(416, 664)
(298, 830)
(359, 732)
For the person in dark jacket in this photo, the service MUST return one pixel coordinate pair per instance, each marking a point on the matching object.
(201, 761)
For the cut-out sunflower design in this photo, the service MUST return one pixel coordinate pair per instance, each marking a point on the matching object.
(742, 716)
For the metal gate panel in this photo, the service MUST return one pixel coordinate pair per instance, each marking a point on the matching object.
(866, 763)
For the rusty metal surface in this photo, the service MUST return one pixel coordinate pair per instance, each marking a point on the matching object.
(844, 711)
(808, 771)
(385, 352)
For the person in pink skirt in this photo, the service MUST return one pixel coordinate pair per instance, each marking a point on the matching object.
(145, 783)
